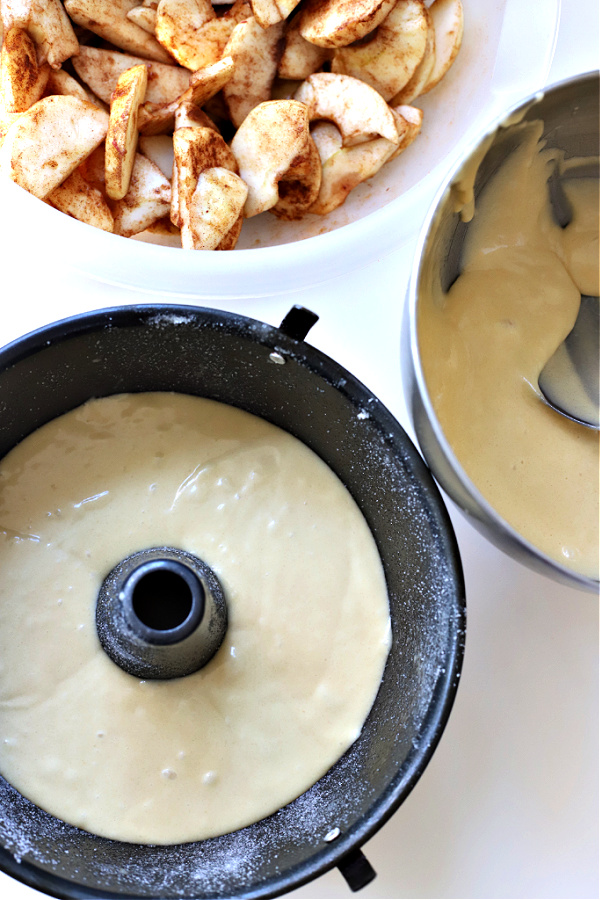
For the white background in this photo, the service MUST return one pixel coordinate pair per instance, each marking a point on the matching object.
(508, 807)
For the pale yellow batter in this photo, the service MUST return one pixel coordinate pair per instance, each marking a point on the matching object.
(308, 635)
(485, 342)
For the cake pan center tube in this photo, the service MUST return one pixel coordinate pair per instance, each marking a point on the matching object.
(161, 613)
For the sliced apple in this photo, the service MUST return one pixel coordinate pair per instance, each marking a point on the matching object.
(213, 209)
(389, 59)
(300, 58)
(6, 120)
(161, 232)
(199, 150)
(92, 168)
(415, 85)
(195, 151)
(448, 23)
(122, 135)
(188, 115)
(60, 82)
(409, 120)
(47, 23)
(358, 110)
(147, 200)
(109, 21)
(82, 201)
(22, 80)
(101, 69)
(144, 17)
(45, 144)
(203, 85)
(274, 145)
(327, 138)
(255, 53)
(211, 39)
(178, 29)
(337, 23)
(271, 12)
(348, 167)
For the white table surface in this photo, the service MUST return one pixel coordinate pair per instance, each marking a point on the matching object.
(508, 806)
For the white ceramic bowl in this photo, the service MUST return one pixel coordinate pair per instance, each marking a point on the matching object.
(506, 51)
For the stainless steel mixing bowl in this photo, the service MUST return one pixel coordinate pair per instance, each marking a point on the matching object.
(569, 111)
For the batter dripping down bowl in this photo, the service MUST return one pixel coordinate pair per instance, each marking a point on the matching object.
(274, 374)
(482, 349)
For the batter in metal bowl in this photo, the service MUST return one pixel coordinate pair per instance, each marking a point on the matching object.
(485, 342)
